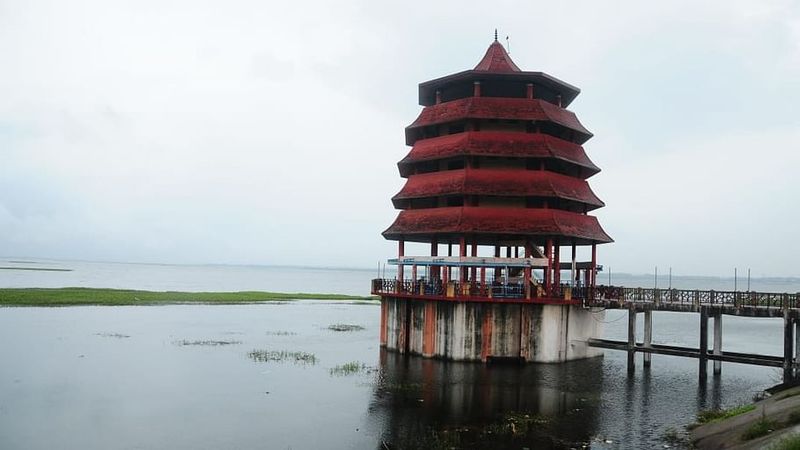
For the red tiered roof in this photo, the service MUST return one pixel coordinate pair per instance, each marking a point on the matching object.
(499, 182)
(497, 108)
(496, 215)
(421, 224)
(497, 60)
(500, 144)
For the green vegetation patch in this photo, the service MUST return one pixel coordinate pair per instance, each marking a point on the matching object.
(788, 395)
(208, 343)
(715, 415)
(281, 333)
(516, 423)
(113, 335)
(761, 428)
(350, 368)
(794, 417)
(788, 443)
(401, 387)
(303, 358)
(73, 296)
(345, 327)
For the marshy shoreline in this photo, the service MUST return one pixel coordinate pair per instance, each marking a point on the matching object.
(78, 296)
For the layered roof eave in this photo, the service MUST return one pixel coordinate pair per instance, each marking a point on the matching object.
(497, 108)
(493, 222)
(499, 182)
(498, 143)
(427, 89)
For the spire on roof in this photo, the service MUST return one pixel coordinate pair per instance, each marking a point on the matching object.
(496, 59)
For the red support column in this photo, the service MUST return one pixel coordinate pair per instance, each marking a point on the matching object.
(548, 275)
(483, 281)
(445, 279)
(594, 265)
(449, 269)
(401, 245)
(474, 270)
(462, 251)
(557, 266)
(573, 281)
(528, 254)
(497, 255)
(434, 252)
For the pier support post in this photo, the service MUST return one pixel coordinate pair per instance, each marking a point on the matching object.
(648, 335)
(717, 341)
(797, 341)
(788, 346)
(631, 337)
(703, 343)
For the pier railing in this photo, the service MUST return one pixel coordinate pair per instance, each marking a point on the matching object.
(474, 290)
(599, 295)
(695, 297)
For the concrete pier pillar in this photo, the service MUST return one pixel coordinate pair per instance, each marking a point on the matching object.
(717, 341)
(631, 337)
(648, 335)
(703, 343)
(797, 341)
(788, 346)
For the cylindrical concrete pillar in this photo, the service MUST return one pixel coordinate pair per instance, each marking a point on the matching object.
(703, 343)
(648, 335)
(717, 341)
(631, 337)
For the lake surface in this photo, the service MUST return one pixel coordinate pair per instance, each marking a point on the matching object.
(151, 377)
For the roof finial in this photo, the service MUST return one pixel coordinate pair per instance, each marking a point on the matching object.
(495, 34)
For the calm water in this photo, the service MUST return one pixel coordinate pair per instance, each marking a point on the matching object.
(119, 378)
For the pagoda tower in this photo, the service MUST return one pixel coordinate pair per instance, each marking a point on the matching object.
(496, 181)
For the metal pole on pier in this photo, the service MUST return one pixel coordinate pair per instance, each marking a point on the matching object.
(748, 279)
(670, 278)
(655, 279)
(735, 278)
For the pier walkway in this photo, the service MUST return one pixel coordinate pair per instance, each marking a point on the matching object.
(706, 303)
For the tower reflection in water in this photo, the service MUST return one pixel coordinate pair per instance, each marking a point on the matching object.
(421, 402)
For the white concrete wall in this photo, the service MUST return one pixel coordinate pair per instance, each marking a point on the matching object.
(535, 332)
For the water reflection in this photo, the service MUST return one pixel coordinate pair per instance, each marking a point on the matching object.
(427, 402)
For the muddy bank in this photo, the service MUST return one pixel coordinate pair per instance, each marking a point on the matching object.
(772, 423)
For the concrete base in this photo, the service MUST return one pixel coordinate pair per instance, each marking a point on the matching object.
(476, 331)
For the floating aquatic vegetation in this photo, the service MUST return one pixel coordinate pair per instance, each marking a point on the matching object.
(113, 335)
(281, 333)
(282, 356)
(350, 368)
(211, 343)
(391, 386)
(345, 327)
(515, 423)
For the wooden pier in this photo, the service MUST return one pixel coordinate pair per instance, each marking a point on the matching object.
(708, 304)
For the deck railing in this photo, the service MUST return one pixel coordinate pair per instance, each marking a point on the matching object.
(457, 289)
(598, 295)
(698, 297)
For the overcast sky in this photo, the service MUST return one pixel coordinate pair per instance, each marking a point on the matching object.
(263, 132)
